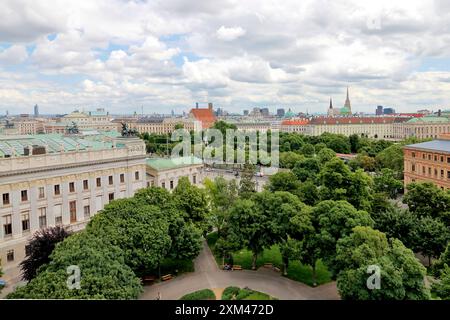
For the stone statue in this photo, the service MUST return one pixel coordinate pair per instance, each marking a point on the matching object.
(127, 132)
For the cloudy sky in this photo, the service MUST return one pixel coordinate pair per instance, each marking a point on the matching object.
(169, 54)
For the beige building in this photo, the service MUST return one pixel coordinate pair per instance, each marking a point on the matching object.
(165, 173)
(422, 128)
(48, 180)
(163, 125)
(371, 127)
(25, 125)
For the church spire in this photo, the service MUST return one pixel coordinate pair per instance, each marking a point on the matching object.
(347, 102)
(331, 103)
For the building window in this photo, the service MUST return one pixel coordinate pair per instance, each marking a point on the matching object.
(429, 171)
(57, 189)
(413, 154)
(6, 199)
(171, 184)
(110, 180)
(87, 212)
(111, 196)
(71, 186)
(41, 193)
(24, 195)
(413, 168)
(435, 158)
(73, 211)
(442, 174)
(85, 185)
(122, 178)
(194, 179)
(25, 222)
(7, 225)
(10, 255)
(163, 184)
(57, 212)
(27, 250)
(136, 175)
(448, 174)
(442, 158)
(435, 172)
(423, 170)
(99, 182)
(42, 217)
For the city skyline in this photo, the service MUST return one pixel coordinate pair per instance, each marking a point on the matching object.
(167, 55)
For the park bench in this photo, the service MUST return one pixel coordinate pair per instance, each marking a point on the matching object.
(148, 279)
(237, 267)
(166, 277)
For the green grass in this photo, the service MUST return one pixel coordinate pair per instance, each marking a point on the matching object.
(205, 294)
(235, 293)
(173, 266)
(296, 270)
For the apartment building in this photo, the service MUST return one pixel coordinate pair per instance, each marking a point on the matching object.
(159, 125)
(49, 180)
(422, 128)
(428, 162)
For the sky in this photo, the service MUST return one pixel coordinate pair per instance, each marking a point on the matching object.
(168, 54)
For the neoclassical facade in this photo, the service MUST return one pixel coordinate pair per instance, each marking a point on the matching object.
(61, 181)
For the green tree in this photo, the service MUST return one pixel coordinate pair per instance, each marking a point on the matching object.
(427, 200)
(307, 150)
(308, 192)
(402, 275)
(364, 162)
(386, 181)
(193, 202)
(431, 237)
(391, 158)
(338, 143)
(141, 231)
(283, 181)
(41, 246)
(331, 220)
(247, 184)
(354, 143)
(104, 274)
(442, 287)
(307, 169)
(289, 159)
(223, 193)
(325, 155)
(397, 223)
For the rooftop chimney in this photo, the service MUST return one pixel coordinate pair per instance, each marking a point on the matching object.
(210, 106)
(196, 105)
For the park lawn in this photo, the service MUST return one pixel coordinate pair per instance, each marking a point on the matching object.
(173, 266)
(296, 270)
(205, 294)
(235, 293)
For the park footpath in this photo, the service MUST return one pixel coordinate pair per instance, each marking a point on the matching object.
(207, 275)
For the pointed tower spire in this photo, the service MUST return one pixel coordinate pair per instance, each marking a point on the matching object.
(331, 103)
(347, 103)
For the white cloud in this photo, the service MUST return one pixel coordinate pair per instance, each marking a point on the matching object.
(122, 54)
(13, 55)
(230, 34)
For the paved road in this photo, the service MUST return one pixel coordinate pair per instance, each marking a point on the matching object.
(208, 275)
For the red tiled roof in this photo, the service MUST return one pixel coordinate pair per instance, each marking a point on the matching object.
(358, 120)
(412, 115)
(205, 115)
(297, 122)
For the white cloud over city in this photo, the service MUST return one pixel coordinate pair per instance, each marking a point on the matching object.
(169, 54)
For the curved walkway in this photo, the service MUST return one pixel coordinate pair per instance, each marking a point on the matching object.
(208, 276)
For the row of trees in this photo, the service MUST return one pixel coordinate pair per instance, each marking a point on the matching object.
(321, 209)
(126, 240)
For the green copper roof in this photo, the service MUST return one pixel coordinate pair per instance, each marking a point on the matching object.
(54, 143)
(172, 163)
(429, 120)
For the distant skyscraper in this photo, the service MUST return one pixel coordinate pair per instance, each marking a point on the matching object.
(388, 111)
(280, 112)
(36, 110)
(265, 112)
(379, 110)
